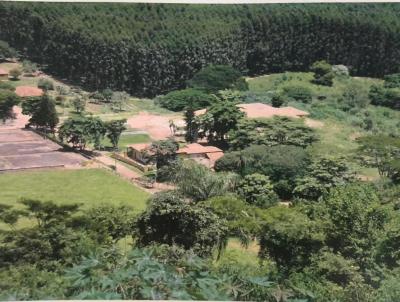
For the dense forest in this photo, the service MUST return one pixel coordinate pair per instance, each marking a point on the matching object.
(150, 49)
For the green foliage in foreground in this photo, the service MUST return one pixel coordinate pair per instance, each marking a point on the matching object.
(169, 219)
(338, 248)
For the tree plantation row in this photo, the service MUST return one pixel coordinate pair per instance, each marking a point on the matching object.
(151, 49)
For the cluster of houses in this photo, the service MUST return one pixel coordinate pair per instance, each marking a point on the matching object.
(202, 153)
(208, 155)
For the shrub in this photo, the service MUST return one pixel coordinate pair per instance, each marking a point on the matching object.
(392, 80)
(298, 93)
(354, 96)
(79, 104)
(6, 86)
(62, 90)
(242, 219)
(46, 84)
(231, 161)
(197, 182)
(257, 190)
(388, 97)
(282, 164)
(277, 100)
(323, 74)
(392, 98)
(169, 219)
(15, 73)
(29, 67)
(180, 99)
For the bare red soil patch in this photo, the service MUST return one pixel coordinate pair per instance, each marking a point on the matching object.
(157, 126)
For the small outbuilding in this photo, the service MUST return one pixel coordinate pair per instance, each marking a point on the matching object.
(139, 152)
(3, 75)
(28, 91)
(206, 155)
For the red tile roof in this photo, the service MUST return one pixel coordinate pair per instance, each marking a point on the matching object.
(28, 91)
(291, 112)
(198, 149)
(3, 72)
(214, 157)
(260, 110)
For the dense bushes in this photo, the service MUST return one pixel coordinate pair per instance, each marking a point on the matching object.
(46, 84)
(169, 219)
(282, 164)
(89, 44)
(271, 132)
(388, 94)
(298, 93)
(323, 74)
(382, 96)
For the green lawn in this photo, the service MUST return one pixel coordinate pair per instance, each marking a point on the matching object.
(89, 187)
(128, 139)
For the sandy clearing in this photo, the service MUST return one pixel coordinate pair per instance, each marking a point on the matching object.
(157, 126)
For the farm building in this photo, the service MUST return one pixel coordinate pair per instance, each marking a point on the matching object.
(138, 152)
(28, 91)
(260, 110)
(3, 74)
(206, 155)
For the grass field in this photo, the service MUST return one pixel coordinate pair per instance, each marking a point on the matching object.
(89, 187)
(340, 127)
(128, 139)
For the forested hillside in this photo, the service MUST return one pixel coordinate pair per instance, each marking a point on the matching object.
(148, 49)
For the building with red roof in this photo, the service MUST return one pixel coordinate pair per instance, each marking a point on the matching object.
(28, 91)
(206, 155)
